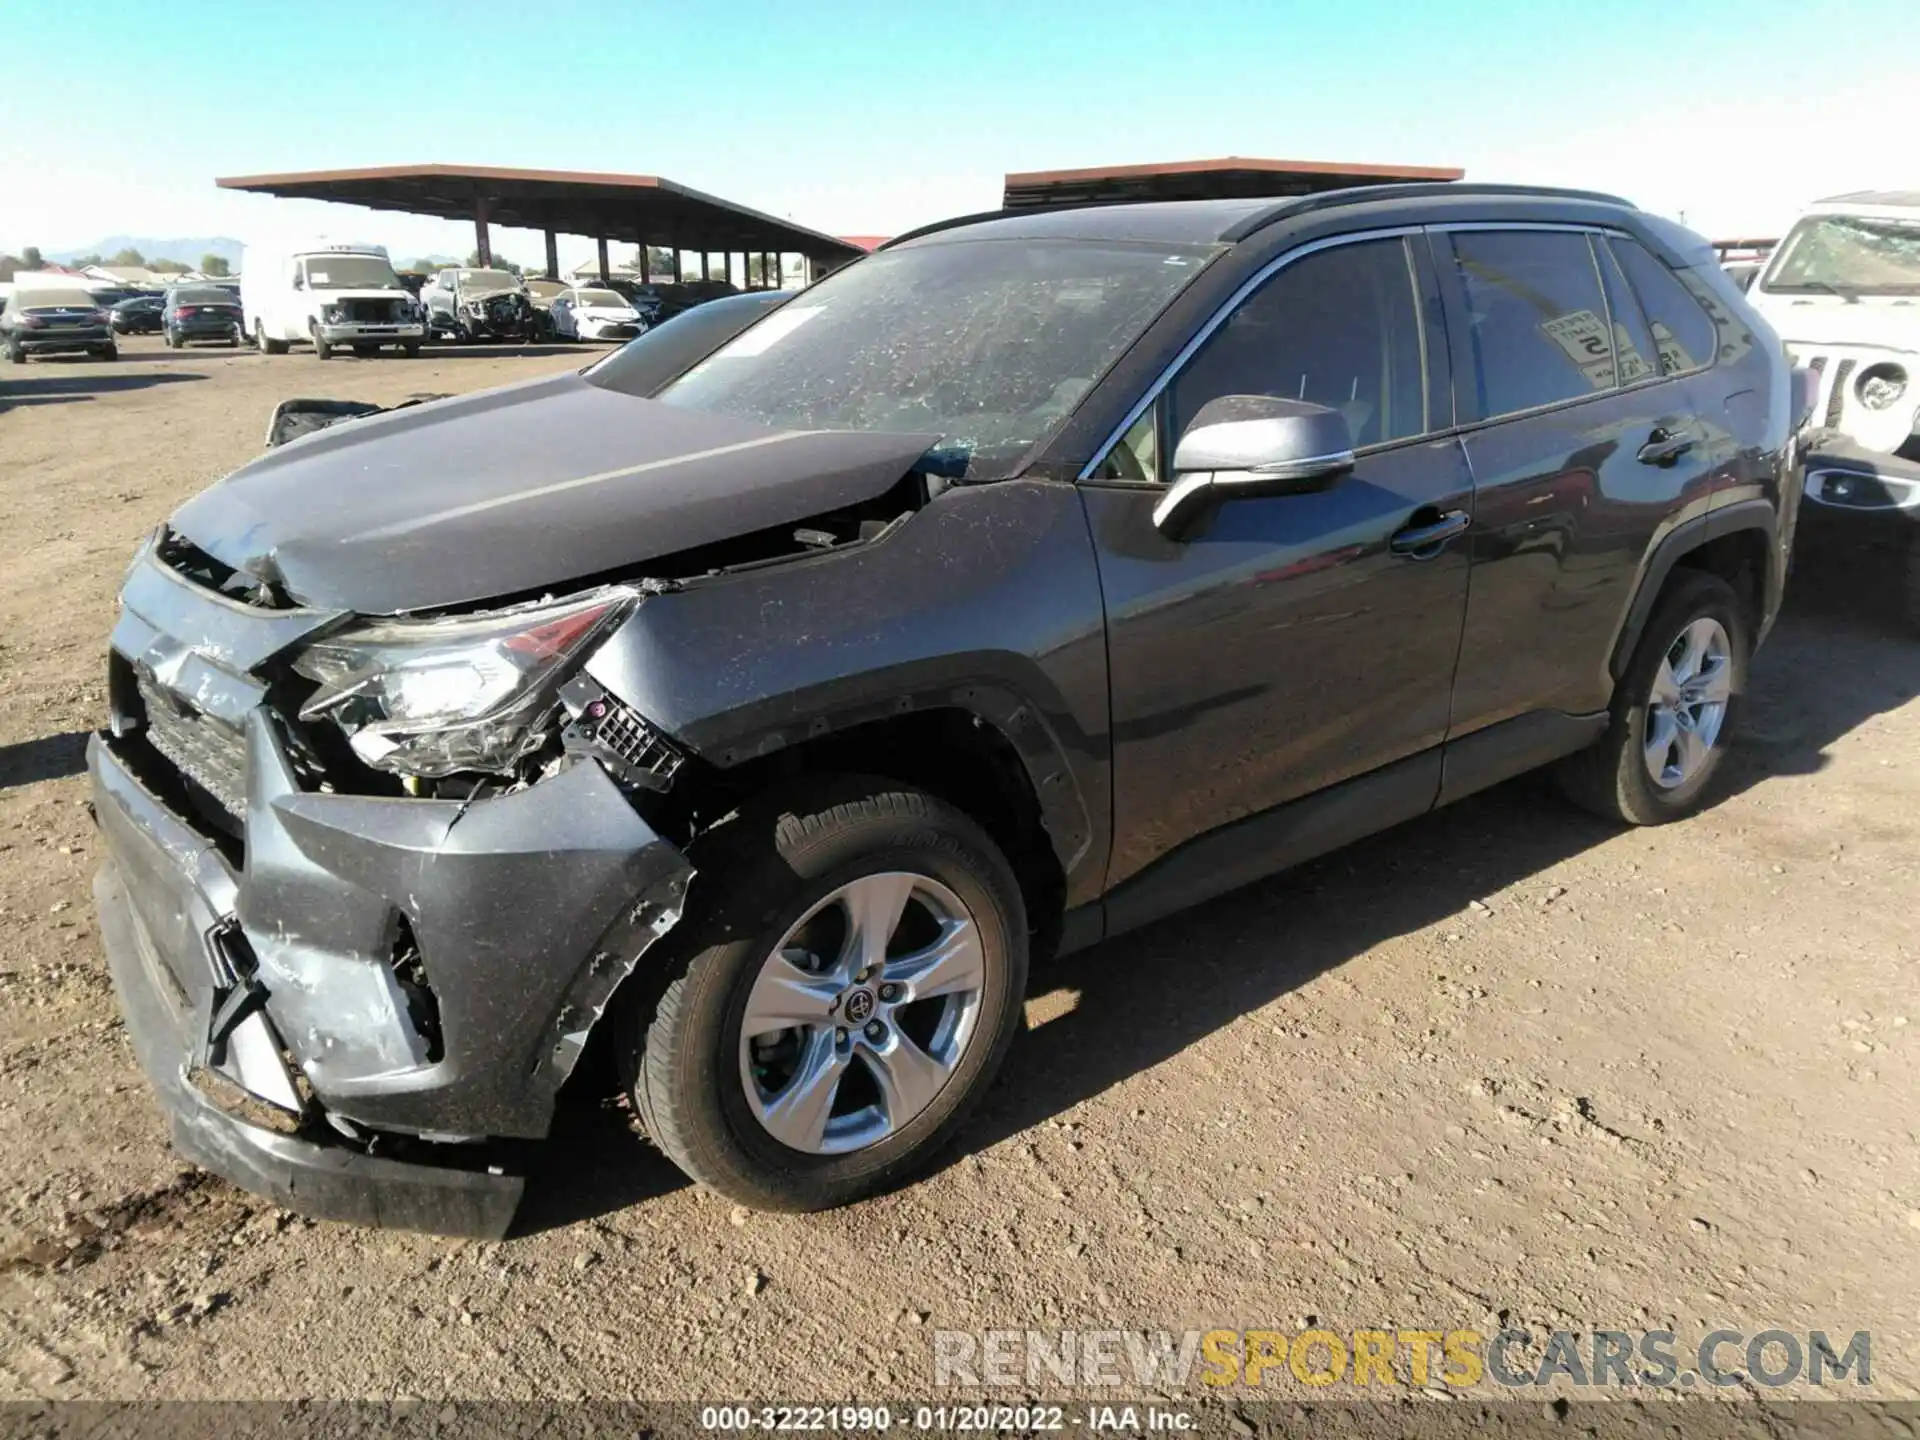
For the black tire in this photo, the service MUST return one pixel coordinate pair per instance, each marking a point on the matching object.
(16, 353)
(1611, 777)
(321, 349)
(106, 352)
(411, 349)
(758, 874)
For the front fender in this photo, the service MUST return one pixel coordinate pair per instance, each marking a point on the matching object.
(987, 600)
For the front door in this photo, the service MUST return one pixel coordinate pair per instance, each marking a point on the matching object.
(1291, 642)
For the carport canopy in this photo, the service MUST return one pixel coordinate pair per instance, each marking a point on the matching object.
(644, 210)
(1235, 177)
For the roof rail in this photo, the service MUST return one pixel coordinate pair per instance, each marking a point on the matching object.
(1282, 208)
(1361, 194)
(955, 221)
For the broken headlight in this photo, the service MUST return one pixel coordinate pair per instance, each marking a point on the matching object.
(432, 697)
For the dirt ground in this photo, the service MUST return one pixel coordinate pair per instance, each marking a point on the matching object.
(1503, 1066)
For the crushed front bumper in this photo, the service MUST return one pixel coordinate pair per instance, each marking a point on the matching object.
(277, 979)
(313, 1176)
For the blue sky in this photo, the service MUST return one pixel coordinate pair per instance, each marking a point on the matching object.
(868, 118)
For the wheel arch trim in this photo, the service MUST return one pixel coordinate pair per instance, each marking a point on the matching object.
(1683, 540)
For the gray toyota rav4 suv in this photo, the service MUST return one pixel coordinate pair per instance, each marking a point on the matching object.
(755, 703)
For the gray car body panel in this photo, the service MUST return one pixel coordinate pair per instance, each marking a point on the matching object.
(518, 490)
(987, 600)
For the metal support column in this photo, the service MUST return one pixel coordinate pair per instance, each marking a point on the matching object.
(602, 244)
(481, 242)
(553, 257)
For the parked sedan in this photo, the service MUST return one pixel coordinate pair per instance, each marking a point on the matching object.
(55, 322)
(201, 312)
(138, 316)
(594, 314)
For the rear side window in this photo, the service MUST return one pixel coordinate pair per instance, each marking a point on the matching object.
(1681, 329)
(1536, 319)
(1340, 327)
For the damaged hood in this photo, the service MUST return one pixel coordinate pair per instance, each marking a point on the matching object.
(517, 490)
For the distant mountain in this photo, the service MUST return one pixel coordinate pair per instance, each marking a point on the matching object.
(187, 252)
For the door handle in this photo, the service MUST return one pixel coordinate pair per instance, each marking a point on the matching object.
(1423, 542)
(1665, 446)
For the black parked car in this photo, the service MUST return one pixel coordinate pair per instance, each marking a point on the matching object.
(140, 315)
(764, 711)
(201, 312)
(55, 322)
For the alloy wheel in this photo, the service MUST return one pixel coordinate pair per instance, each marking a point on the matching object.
(862, 1013)
(1688, 704)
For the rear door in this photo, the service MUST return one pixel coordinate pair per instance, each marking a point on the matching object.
(1583, 451)
(1288, 644)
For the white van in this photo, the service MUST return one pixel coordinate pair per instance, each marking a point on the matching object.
(1843, 291)
(330, 296)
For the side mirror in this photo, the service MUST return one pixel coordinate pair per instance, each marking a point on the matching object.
(1242, 445)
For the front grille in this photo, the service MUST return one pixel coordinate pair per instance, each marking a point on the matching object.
(1837, 397)
(210, 754)
(373, 312)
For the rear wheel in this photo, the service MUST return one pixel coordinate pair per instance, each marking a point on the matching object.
(411, 349)
(105, 352)
(1666, 735)
(16, 352)
(845, 989)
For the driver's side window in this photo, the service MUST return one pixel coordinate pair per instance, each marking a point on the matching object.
(1340, 327)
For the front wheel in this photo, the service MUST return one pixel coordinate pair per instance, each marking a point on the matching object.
(846, 984)
(321, 349)
(1667, 731)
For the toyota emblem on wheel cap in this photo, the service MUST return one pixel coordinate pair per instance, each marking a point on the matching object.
(859, 1006)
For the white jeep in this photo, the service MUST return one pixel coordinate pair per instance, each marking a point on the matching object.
(1843, 291)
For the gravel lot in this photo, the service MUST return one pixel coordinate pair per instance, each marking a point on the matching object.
(1505, 1065)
